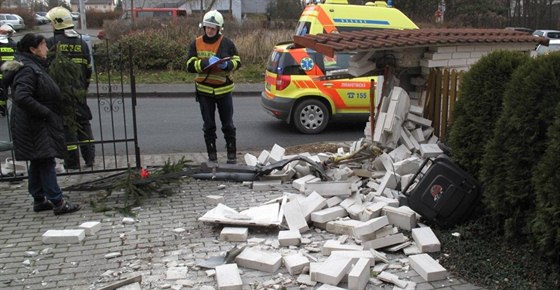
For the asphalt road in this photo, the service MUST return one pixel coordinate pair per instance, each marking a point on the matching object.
(174, 125)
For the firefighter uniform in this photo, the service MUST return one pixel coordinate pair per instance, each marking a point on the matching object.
(70, 44)
(214, 86)
(7, 50)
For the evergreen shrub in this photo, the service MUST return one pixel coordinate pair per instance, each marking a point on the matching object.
(546, 178)
(479, 106)
(518, 143)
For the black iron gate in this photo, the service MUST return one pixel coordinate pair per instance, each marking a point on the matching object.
(112, 100)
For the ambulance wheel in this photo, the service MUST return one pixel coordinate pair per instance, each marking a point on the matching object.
(311, 116)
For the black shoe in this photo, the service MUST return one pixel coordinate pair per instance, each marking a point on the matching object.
(89, 164)
(231, 161)
(42, 206)
(66, 207)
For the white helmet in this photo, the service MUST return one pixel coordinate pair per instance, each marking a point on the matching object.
(213, 19)
(60, 18)
(7, 30)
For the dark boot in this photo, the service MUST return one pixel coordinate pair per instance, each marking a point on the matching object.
(231, 151)
(211, 149)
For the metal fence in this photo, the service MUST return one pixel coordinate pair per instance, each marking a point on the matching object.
(112, 100)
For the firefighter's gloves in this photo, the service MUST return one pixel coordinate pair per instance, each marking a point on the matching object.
(213, 59)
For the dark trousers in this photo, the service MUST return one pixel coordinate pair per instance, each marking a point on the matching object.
(208, 107)
(82, 134)
(42, 180)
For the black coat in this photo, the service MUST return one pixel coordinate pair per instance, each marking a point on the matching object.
(37, 128)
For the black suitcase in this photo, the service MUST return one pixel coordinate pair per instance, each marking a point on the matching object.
(443, 192)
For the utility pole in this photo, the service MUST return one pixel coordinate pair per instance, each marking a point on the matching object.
(82, 15)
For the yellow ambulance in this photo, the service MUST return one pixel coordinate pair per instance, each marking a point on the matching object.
(308, 89)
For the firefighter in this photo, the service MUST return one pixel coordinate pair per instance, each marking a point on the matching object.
(7, 50)
(70, 44)
(212, 57)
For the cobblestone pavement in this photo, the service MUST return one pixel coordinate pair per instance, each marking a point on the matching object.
(148, 247)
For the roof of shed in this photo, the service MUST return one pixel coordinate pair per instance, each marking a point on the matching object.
(365, 40)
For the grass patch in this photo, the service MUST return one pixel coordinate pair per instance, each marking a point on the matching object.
(250, 73)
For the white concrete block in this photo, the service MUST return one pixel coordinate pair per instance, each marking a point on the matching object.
(401, 217)
(408, 166)
(234, 234)
(294, 217)
(313, 202)
(370, 226)
(228, 277)
(259, 260)
(332, 270)
(418, 134)
(359, 275)
(334, 245)
(378, 136)
(416, 110)
(430, 150)
(328, 214)
(295, 263)
(299, 183)
(372, 210)
(342, 227)
(389, 201)
(355, 255)
(214, 199)
(277, 153)
(250, 159)
(175, 273)
(426, 240)
(263, 157)
(390, 180)
(413, 140)
(306, 280)
(427, 267)
(419, 120)
(329, 188)
(90, 228)
(384, 241)
(330, 287)
(399, 153)
(392, 278)
(64, 236)
(333, 201)
(289, 238)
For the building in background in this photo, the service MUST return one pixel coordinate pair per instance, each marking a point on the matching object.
(97, 5)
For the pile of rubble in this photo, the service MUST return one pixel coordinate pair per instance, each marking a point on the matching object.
(357, 200)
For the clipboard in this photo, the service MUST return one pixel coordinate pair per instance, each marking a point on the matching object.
(217, 63)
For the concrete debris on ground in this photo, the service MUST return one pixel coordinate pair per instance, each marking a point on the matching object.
(360, 203)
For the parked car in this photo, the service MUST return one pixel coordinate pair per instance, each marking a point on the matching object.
(552, 34)
(14, 20)
(40, 20)
(553, 45)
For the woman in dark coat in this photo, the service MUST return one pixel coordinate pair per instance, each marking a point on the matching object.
(37, 128)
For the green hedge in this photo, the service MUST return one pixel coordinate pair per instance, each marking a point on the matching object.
(518, 143)
(480, 105)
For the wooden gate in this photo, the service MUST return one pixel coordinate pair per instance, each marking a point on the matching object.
(441, 96)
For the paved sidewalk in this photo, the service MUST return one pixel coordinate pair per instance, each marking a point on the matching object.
(150, 246)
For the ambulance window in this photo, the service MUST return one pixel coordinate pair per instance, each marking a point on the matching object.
(303, 28)
(336, 64)
(284, 64)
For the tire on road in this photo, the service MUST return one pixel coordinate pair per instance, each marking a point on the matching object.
(311, 116)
